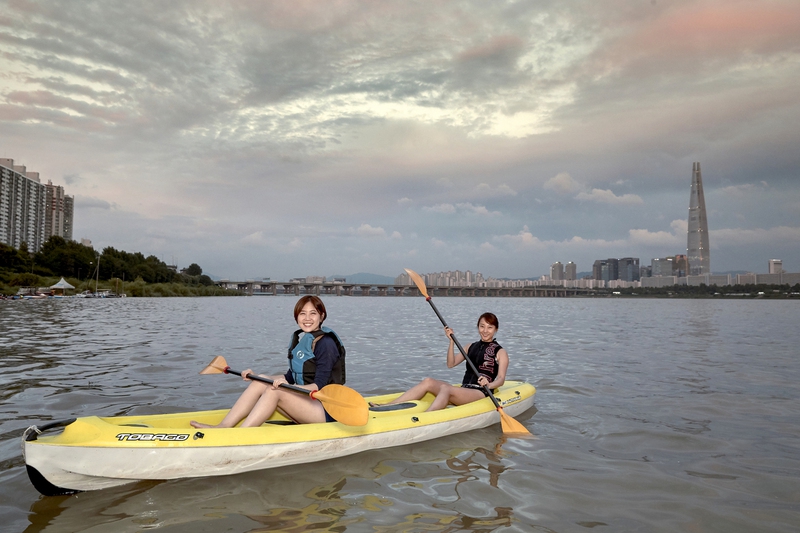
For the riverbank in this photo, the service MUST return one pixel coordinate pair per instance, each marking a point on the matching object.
(116, 286)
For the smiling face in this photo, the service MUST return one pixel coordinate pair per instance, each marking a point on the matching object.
(486, 330)
(309, 319)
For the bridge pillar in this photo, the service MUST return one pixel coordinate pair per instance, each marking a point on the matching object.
(398, 291)
(291, 288)
(365, 289)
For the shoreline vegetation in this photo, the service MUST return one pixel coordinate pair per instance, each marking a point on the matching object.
(113, 271)
(138, 276)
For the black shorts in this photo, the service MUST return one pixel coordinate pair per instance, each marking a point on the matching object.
(477, 387)
(328, 418)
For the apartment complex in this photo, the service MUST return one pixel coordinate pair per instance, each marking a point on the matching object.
(30, 211)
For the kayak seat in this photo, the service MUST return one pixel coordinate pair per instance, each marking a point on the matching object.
(393, 407)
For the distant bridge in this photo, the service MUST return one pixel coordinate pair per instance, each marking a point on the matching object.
(296, 288)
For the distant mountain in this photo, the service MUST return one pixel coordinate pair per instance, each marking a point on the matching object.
(364, 277)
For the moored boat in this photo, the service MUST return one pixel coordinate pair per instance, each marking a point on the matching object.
(101, 452)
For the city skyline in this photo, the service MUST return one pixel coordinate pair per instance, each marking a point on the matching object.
(289, 139)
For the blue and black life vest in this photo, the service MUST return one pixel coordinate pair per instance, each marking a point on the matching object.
(303, 363)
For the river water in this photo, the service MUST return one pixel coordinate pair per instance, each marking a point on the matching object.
(651, 414)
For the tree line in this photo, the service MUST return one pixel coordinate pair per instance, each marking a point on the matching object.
(69, 259)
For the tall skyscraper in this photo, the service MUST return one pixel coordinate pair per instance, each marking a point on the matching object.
(570, 271)
(697, 237)
(557, 271)
(628, 269)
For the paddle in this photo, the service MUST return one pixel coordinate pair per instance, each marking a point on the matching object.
(511, 427)
(342, 403)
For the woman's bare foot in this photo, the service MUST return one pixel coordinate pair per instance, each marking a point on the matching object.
(200, 425)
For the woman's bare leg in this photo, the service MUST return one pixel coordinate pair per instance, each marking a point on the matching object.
(418, 391)
(300, 408)
(455, 395)
(241, 408)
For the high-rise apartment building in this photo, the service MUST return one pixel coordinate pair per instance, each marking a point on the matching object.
(29, 211)
(570, 271)
(22, 200)
(775, 266)
(697, 250)
(57, 221)
(557, 271)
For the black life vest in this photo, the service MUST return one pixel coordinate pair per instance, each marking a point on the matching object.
(484, 356)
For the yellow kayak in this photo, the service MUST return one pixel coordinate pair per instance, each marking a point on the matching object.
(99, 452)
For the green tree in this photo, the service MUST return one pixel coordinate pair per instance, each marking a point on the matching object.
(194, 270)
(12, 259)
(65, 258)
(25, 279)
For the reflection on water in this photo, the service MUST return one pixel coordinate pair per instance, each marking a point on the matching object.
(651, 415)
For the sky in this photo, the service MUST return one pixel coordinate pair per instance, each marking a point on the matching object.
(300, 138)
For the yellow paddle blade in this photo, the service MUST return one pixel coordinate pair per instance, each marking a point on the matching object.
(216, 366)
(344, 404)
(511, 427)
(418, 281)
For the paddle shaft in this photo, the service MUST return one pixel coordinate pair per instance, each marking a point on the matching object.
(229, 370)
(463, 352)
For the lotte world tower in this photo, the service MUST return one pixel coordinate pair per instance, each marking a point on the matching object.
(697, 251)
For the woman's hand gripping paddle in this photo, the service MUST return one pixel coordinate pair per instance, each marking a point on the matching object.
(511, 427)
(342, 403)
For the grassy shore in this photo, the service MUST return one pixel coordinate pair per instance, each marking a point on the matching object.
(136, 288)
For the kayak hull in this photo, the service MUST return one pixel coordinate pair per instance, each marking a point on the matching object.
(95, 453)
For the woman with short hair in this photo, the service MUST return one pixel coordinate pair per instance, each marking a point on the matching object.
(316, 359)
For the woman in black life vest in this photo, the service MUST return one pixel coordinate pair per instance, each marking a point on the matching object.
(489, 358)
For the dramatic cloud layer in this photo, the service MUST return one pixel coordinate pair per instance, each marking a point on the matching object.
(300, 138)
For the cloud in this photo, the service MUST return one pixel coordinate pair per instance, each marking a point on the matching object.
(603, 196)
(72, 179)
(87, 202)
(365, 230)
(562, 183)
(254, 239)
(476, 209)
(484, 189)
(665, 239)
(182, 123)
(450, 209)
(447, 209)
(743, 190)
(522, 240)
(780, 235)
